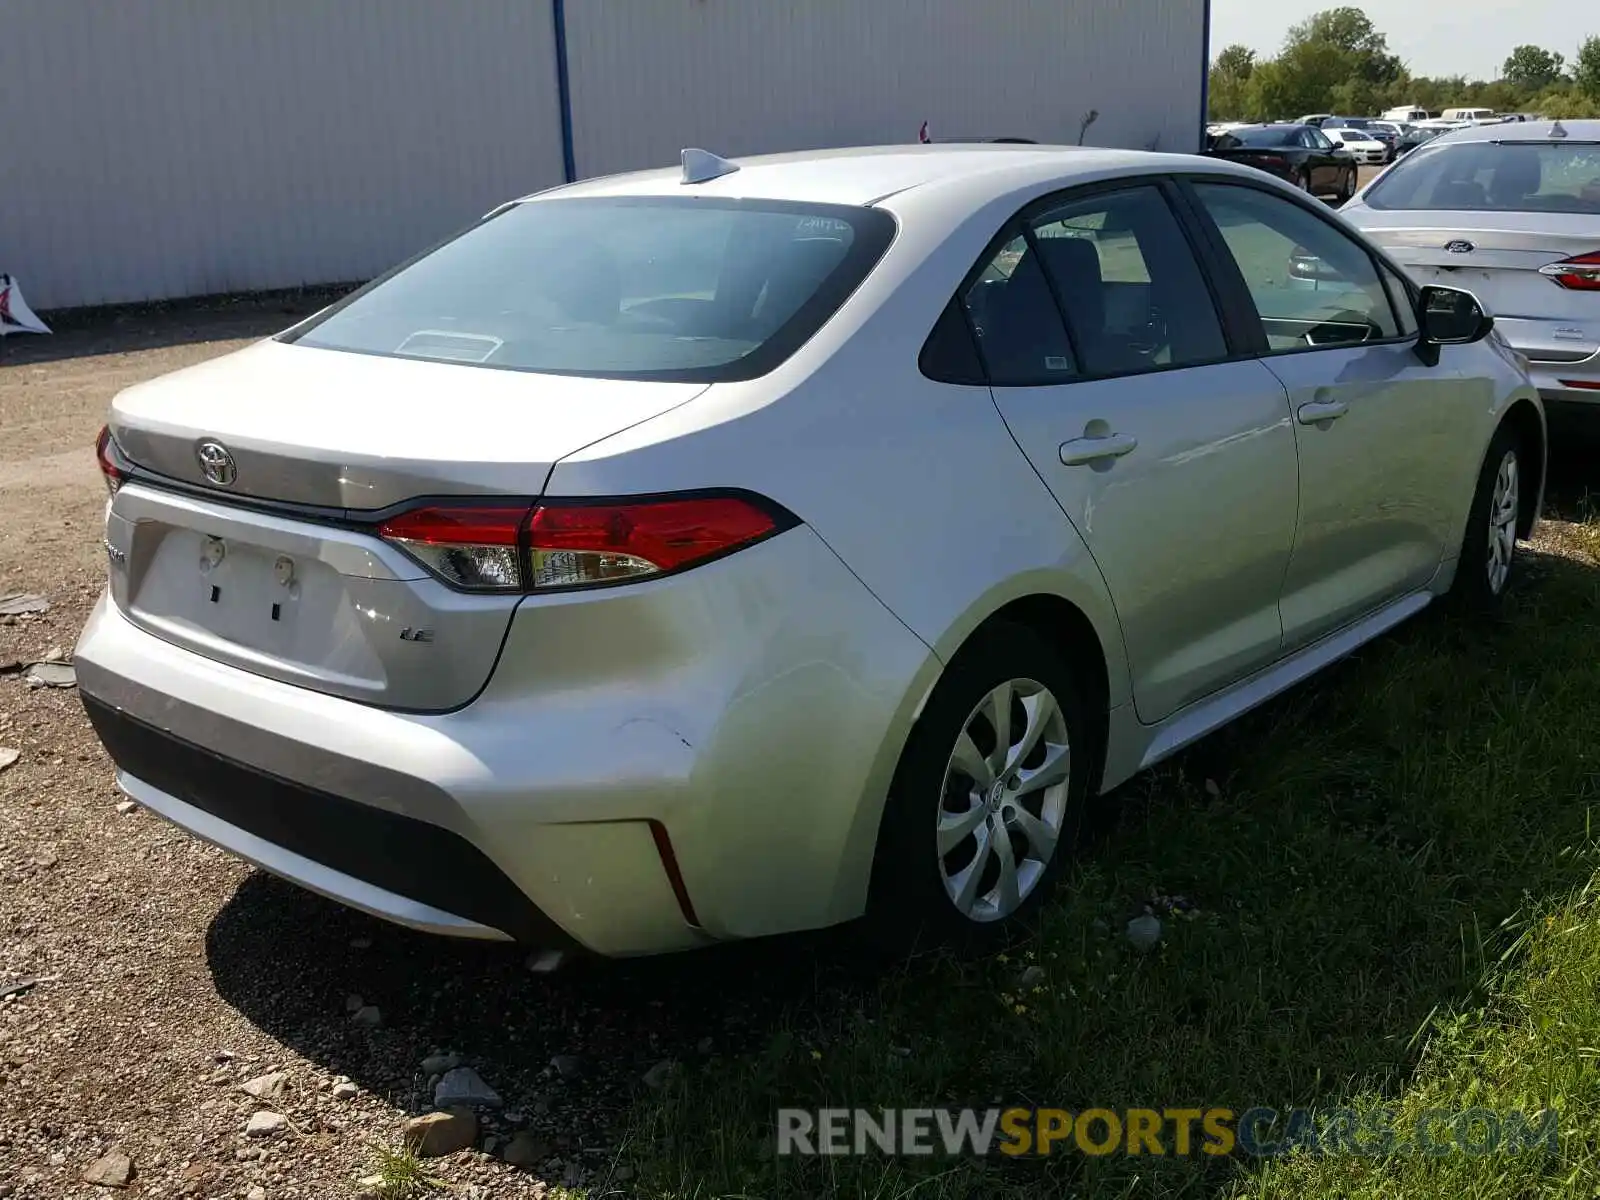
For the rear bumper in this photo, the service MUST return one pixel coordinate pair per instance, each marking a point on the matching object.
(391, 866)
(1568, 385)
(746, 716)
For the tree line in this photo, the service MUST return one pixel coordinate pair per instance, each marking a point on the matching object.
(1337, 61)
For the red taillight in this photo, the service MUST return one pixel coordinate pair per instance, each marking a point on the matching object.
(593, 543)
(1580, 274)
(112, 473)
(1587, 385)
(562, 544)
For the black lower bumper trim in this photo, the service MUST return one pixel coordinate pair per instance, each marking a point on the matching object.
(411, 858)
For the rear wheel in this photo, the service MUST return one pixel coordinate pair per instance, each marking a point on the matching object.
(988, 800)
(1304, 183)
(1485, 569)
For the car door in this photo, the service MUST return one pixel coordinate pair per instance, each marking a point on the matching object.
(1374, 422)
(1324, 163)
(1174, 459)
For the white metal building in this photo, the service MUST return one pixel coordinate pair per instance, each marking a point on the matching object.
(163, 148)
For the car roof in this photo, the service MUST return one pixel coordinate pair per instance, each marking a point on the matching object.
(864, 175)
(1526, 131)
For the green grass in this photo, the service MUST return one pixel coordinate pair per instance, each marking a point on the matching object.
(1390, 868)
(398, 1174)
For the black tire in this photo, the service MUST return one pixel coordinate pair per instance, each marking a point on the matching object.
(1475, 591)
(1347, 185)
(1304, 183)
(910, 907)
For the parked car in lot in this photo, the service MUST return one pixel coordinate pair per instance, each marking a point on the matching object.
(1417, 135)
(1376, 130)
(1360, 145)
(1298, 154)
(1471, 116)
(1512, 214)
(1407, 114)
(1390, 134)
(693, 555)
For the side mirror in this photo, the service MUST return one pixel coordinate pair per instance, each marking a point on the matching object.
(1452, 317)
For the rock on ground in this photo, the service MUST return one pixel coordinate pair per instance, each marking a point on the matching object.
(265, 1124)
(657, 1076)
(463, 1085)
(568, 1066)
(436, 1134)
(1144, 932)
(265, 1087)
(438, 1064)
(528, 1151)
(113, 1169)
(367, 1016)
(51, 675)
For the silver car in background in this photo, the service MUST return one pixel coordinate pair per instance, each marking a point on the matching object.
(690, 556)
(1510, 213)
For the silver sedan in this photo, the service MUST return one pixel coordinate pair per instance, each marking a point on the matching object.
(1511, 213)
(716, 552)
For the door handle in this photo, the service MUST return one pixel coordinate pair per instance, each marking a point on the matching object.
(1321, 410)
(1082, 451)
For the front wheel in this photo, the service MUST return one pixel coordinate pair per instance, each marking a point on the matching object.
(988, 800)
(1485, 568)
(1347, 186)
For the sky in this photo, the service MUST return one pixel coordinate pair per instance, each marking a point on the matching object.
(1432, 37)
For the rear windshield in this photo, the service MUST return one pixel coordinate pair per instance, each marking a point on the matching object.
(678, 288)
(1511, 176)
(1235, 138)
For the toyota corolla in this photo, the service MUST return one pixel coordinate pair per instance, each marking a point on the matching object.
(695, 555)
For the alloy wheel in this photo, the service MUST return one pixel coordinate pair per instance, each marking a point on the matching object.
(1004, 800)
(1503, 511)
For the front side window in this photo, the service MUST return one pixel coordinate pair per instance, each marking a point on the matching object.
(621, 287)
(1313, 285)
(1504, 176)
(1133, 294)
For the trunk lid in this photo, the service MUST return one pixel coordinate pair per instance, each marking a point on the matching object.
(276, 572)
(1497, 257)
(344, 430)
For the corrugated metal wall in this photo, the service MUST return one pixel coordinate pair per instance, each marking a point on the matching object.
(155, 148)
(160, 148)
(745, 76)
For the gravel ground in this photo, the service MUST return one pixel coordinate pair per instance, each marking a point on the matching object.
(168, 973)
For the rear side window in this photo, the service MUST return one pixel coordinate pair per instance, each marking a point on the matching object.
(1020, 335)
(1508, 176)
(1257, 137)
(1133, 294)
(693, 289)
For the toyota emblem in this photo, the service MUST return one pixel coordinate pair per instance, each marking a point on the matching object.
(1460, 246)
(216, 463)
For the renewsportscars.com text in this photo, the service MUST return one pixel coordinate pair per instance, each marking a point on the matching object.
(1254, 1132)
